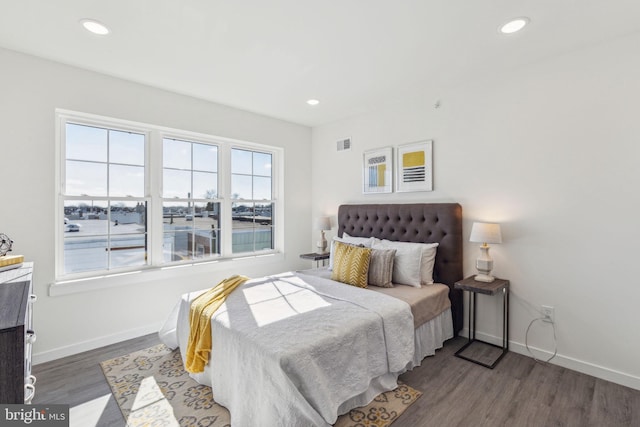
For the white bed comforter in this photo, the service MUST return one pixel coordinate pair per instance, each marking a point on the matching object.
(299, 350)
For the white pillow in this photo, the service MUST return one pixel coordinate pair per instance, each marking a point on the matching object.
(428, 262)
(426, 254)
(366, 241)
(406, 265)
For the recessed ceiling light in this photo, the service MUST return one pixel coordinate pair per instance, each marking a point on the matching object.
(95, 27)
(313, 102)
(514, 25)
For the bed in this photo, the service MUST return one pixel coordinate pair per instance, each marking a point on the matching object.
(278, 340)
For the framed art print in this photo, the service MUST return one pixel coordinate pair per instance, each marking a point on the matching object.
(415, 167)
(377, 171)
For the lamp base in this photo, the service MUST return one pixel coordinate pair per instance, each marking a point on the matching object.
(484, 278)
(322, 243)
(484, 265)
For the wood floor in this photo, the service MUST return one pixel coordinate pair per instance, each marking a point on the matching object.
(518, 392)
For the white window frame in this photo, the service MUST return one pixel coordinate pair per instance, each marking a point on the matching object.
(274, 224)
(154, 136)
(218, 199)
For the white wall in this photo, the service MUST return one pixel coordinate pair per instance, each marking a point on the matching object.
(551, 151)
(30, 90)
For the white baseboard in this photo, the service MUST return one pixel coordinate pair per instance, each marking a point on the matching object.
(69, 350)
(597, 371)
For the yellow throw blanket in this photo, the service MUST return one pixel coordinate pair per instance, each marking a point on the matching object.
(200, 312)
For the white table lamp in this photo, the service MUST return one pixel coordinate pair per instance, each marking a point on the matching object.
(323, 223)
(483, 232)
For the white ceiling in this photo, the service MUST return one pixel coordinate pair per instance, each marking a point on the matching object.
(270, 56)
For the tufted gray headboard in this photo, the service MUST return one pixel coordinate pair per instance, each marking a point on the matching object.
(418, 223)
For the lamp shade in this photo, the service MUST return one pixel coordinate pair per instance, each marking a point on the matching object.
(323, 223)
(484, 232)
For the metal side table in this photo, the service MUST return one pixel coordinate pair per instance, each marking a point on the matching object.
(474, 288)
(324, 257)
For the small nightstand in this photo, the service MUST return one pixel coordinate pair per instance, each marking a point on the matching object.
(474, 288)
(316, 257)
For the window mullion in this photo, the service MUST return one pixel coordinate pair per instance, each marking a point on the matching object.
(60, 181)
(224, 183)
(108, 204)
(192, 208)
(155, 220)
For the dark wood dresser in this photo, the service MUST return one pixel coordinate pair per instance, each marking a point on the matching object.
(17, 385)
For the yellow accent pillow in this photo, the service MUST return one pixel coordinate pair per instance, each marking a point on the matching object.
(351, 264)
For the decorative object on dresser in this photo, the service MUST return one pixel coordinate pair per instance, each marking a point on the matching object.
(8, 262)
(323, 224)
(5, 244)
(483, 232)
(17, 385)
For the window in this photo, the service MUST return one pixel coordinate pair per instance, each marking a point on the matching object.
(135, 196)
(190, 209)
(105, 211)
(251, 192)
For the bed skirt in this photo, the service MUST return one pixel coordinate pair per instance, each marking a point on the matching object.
(428, 338)
(431, 336)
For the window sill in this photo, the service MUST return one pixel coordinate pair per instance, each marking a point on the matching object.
(67, 287)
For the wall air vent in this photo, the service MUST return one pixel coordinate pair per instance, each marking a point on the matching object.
(344, 144)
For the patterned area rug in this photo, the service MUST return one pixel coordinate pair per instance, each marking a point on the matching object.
(153, 389)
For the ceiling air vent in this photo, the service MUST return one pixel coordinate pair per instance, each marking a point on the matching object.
(344, 144)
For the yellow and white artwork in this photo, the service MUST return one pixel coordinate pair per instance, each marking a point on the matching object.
(415, 167)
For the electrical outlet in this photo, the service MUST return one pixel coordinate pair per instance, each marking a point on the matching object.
(548, 313)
